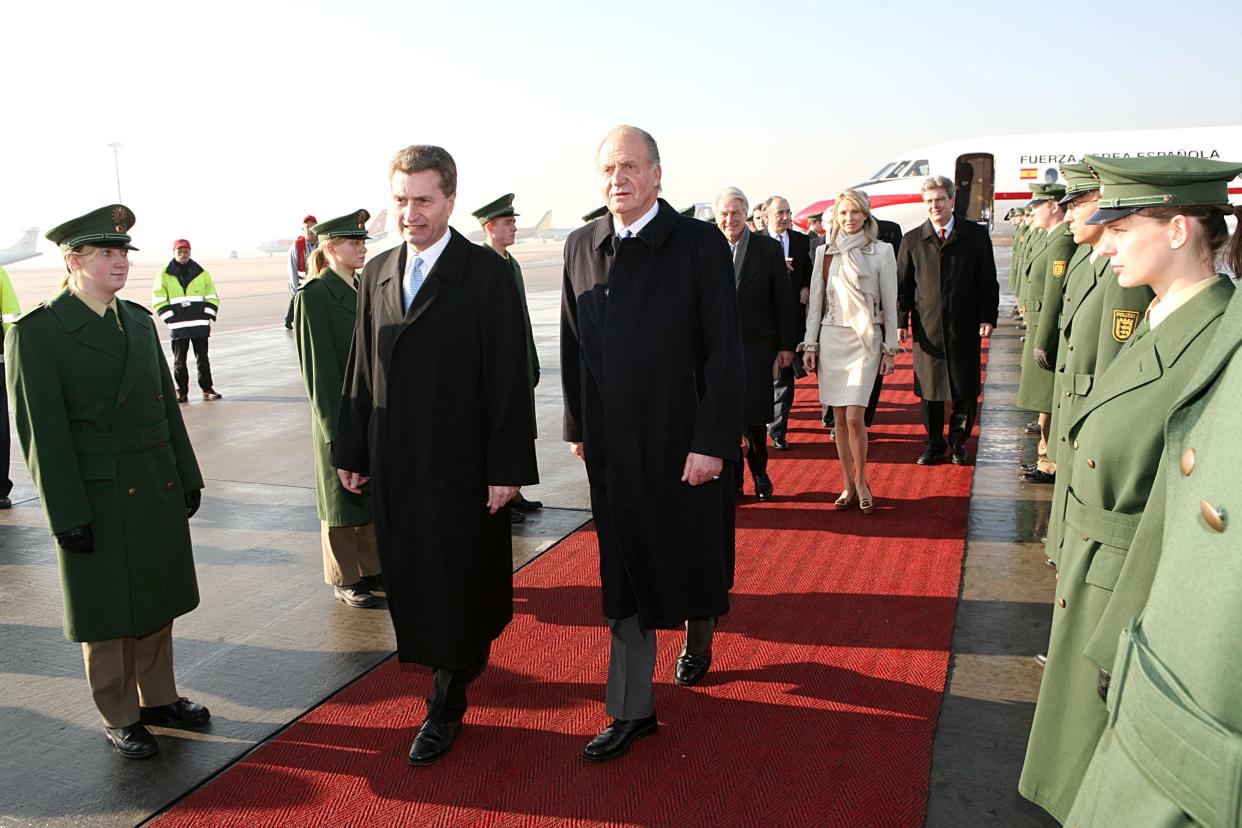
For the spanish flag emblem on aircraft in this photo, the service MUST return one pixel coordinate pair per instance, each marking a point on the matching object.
(1028, 173)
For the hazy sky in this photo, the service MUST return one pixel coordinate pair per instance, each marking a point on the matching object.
(236, 119)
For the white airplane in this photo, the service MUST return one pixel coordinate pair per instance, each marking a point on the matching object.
(23, 250)
(992, 173)
(377, 229)
(542, 230)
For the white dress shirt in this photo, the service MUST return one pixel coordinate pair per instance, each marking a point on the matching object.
(429, 255)
(948, 228)
(783, 238)
(638, 224)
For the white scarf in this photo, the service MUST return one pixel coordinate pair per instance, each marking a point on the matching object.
(855, 307)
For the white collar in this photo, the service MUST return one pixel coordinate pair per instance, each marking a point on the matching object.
(430, 255)
(1161, 309)
(619, 229)
(775, 235)
(948, 228)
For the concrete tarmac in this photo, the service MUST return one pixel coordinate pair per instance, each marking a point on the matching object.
(269, 642)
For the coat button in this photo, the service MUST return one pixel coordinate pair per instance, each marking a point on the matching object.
(1215, 516)
(1075, 445)
(1090, 463)
(159, 397)
(1061, 603)
(1062, 439)
(168, 485)
(132, 491)
(1067, 393)
(1071, 347)
(1085, 539)
(1188, 461)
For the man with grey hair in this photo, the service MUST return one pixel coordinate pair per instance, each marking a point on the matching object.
(439, 339)
(796, 249)
(651, 365)
(947, 299)
(769, 335)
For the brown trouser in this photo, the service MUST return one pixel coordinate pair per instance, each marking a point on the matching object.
(124, 673)
(348, 553)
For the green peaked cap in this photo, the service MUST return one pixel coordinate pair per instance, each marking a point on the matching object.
(105, 227)
(499, 208)
(1160, 180)
(1078, 180)
(1045, 192)
(351, 226)
(596, 213)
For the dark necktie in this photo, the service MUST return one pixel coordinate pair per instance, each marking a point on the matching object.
(943, 233)
(111, 318)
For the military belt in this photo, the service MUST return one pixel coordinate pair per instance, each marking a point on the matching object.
(1194, 759)
(115, 442)
(1113, 528)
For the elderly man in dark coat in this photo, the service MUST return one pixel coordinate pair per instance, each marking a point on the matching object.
(946, 287)
(651, 361)
(769, 332)
(439, 339)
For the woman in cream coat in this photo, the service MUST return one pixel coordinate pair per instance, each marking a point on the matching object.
(851, 331)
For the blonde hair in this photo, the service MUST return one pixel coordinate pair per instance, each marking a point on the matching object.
(319, 261)
(82, 253)
(871, 227)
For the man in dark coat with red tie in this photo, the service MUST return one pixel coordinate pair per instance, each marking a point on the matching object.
(947, 292)
(439, 339)
(651, 362)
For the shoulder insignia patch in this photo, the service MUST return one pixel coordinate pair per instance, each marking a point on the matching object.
(1124, 323)
(1058, 268)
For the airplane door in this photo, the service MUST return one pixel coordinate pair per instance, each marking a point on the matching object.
(975, 180)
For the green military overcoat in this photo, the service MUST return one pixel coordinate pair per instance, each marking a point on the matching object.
(98, 422)
(1111, 539)
(1044, 278)
(1171, 753)
(1098, 317)
(1032, 246)
(1015, 260)
(324, 311)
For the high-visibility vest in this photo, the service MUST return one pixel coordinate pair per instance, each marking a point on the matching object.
(187, 311)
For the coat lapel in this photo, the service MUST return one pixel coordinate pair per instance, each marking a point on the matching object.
(450, 263)
(388, 288)
(744, 264)
(140, 344)
(87, 327)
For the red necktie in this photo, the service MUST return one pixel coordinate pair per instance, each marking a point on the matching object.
(942, 233)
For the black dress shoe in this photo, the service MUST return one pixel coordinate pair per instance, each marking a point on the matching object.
(523, 505)
(691, 668)
(832, 434)
(1038, 476)
(183, 397)
(1041, 659)
(763, 486)
(958, 455)
(1032, 428)
(516, 517)
(780, 443)
(212, 394)
(5, 503)
(433, 741)
(616, 739)
(930, 457)
(133, 742)
(355, 595)
(181, 713)
(1026, 467)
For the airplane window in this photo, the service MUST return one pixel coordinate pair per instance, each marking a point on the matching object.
(884, 171)
(896, 173)
(920, 167)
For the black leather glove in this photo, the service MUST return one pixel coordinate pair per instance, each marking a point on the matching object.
(80, 540)
(192, 501)
(1102, 687)
(1042, 360)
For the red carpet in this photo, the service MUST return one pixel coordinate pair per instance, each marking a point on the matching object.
(820, 708)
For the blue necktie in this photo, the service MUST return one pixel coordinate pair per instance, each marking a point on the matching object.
(412, 282)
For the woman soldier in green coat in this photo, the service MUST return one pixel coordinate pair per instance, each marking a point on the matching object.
(1164, 222)
(1172, 750)
(324, 310)
(98, 422)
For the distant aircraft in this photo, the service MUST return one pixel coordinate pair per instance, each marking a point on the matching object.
(543, 231)
(23, 250)
(992, 172)
(377, 229)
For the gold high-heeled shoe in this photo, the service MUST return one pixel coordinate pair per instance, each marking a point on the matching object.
(866, 505)
(843, 502)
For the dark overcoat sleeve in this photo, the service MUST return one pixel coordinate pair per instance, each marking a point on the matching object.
(788, 334)
(989, 288)
(350, 450)
(718, 423)
(571, 366)
(510, 446)
(905, 281)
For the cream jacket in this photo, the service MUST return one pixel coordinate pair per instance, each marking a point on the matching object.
(878, 285)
